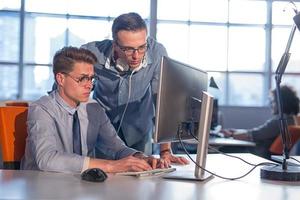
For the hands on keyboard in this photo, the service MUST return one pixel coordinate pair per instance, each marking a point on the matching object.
(216, 135)
(153, 172)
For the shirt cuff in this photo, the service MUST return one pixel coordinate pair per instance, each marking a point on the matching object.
(86, 163)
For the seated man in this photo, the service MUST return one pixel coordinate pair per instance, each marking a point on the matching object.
(64, 127)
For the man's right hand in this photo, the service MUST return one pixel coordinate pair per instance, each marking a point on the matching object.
(127, 164)
(227, 132)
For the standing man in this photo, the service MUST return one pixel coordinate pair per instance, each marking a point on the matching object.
(64, 126)
(128, 69)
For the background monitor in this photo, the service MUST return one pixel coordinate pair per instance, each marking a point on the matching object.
(183, 107)
(215, 115)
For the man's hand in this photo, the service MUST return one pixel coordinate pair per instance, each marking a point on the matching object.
(153, 162)
(238, 134)
(129, 164)
(227, 132)
(169, 158)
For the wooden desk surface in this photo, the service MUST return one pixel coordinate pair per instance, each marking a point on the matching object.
(46, 185)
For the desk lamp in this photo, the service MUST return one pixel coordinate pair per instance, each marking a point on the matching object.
(283, 172)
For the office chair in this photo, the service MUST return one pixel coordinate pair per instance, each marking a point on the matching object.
(17, 103)
(13, 133)
(276, 147)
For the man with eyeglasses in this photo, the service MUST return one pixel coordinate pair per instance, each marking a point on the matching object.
(65, 126)
(128, 70)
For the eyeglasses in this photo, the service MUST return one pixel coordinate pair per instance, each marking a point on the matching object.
(130, 50)
(83, 80)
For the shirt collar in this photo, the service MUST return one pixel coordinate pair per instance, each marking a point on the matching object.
(64, 104)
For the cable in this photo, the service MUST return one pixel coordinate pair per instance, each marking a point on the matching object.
(129, 94)
(232, 156)
(214, 174)
(295, 159)
(216, 150)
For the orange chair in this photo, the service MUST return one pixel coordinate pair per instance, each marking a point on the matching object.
(276, 147)
(17, 103)
(13, 133)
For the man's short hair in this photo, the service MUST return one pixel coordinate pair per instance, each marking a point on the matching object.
(65, 58)
(128, 22)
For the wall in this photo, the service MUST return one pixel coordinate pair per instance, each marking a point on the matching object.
(244, 117)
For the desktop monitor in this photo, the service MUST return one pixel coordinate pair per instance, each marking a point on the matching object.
(183, 107)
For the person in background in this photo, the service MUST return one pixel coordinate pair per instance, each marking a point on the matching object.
(65, 126)
(265, 134)
(128, 68)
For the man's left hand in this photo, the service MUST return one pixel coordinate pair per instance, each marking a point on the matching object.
(169, 158)
(153, 162)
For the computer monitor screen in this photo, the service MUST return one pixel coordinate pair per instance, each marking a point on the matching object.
(184, 111)
(178, 100)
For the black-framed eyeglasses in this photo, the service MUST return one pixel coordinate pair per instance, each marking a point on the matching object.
(130, 50)
(83, 80)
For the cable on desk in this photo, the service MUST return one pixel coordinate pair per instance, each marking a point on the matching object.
(219, 176)
(232, 156)
(216, 150)
(295, 159)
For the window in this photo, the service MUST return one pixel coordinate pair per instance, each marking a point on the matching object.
(26, 73)
(9, 81)
(246, 49)
(239, 42)
(235, 41)
(208, 47)
(78, 30)
(9, 37)
(245, 89)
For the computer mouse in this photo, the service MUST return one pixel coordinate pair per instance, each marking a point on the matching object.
(94, 175)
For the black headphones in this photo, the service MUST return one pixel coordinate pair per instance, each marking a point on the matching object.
(122, 68)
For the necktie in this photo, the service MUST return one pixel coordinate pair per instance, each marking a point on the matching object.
(76, 135)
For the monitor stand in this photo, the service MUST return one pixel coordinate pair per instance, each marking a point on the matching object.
(186, 175)
(202, 149)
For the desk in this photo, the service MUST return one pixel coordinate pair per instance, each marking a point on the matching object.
(231, 145)
(218, 141)
(46, 185)
(230, 142)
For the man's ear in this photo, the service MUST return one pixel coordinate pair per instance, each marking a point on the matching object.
(60, 78)
(114, 45)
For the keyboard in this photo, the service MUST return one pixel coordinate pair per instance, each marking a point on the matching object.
(216, 135)
(153, 172)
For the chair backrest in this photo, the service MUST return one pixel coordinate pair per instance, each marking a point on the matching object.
(17, 103)
(13, 133)
(276, 147)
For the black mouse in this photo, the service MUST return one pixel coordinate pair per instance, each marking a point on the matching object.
(94, 175)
